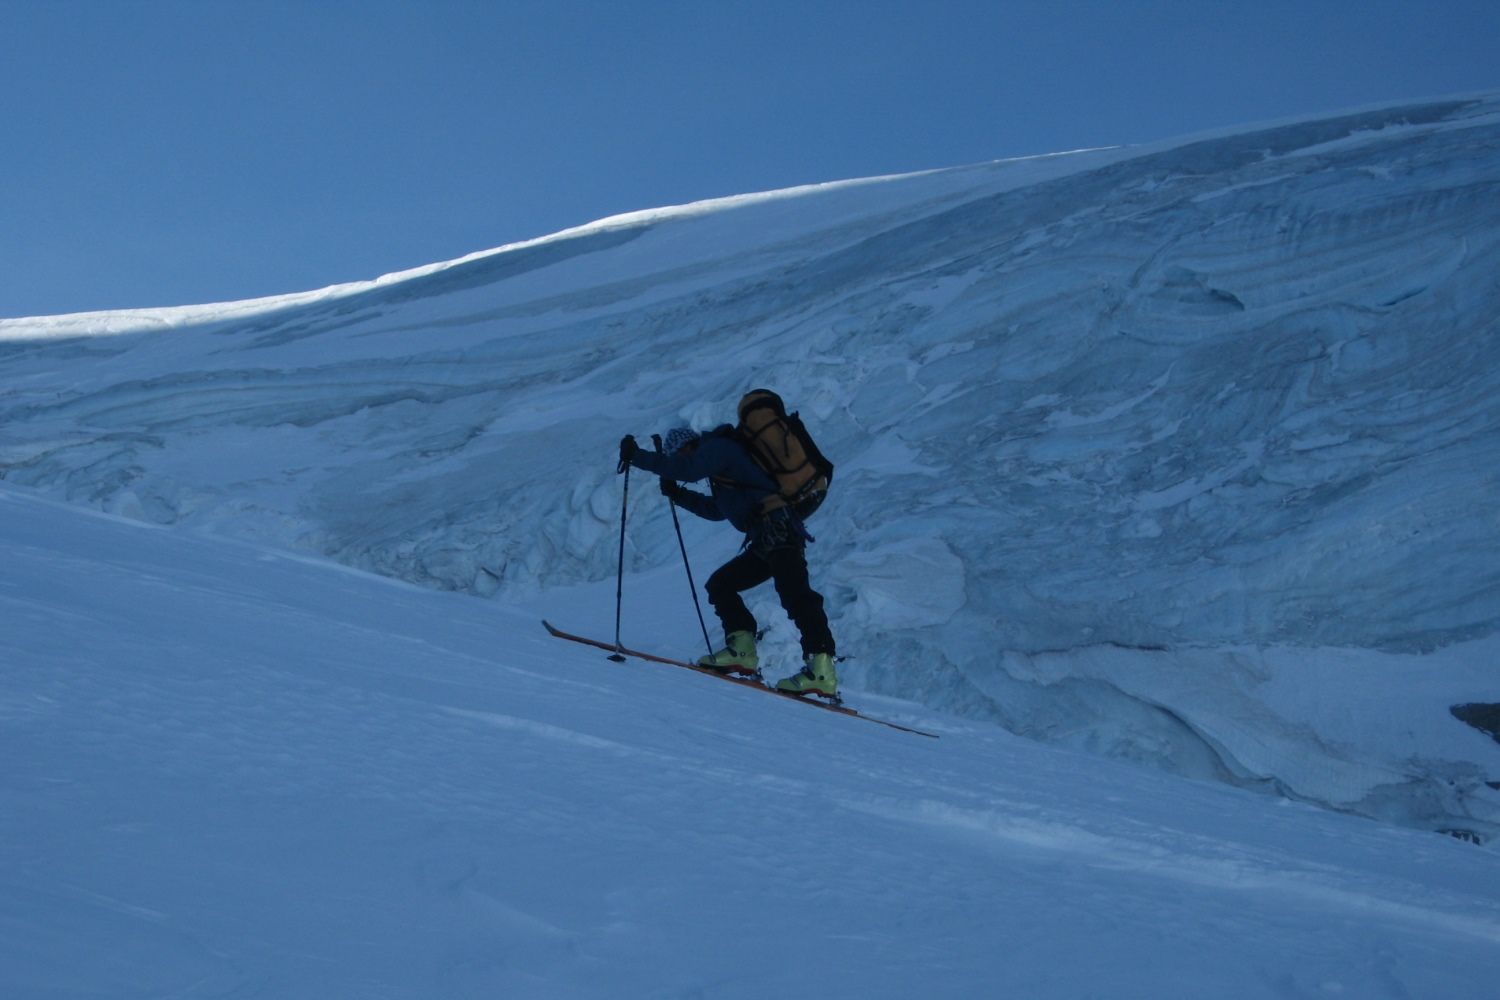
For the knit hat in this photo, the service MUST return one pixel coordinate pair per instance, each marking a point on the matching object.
(677, 439)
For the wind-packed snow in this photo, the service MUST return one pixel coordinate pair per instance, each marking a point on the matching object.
(231, 771)
(1183, 454)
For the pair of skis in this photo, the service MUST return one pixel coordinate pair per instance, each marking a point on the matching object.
(621, 651)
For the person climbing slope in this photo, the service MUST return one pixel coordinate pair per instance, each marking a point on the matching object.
(746, 495)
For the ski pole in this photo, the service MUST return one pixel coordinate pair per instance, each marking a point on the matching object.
(692, 587)
(620, 576)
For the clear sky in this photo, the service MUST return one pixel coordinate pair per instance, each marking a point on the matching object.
(165, 152)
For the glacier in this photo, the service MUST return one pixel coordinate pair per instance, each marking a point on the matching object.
(1183, 454)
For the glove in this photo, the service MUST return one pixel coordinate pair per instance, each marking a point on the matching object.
(671, 489)
(628, 448)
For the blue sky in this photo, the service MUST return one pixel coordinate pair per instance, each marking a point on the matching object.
(164, 152)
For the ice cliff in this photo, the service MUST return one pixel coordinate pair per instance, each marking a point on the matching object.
(1136, 447)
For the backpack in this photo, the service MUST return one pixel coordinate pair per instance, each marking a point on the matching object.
(780, 444)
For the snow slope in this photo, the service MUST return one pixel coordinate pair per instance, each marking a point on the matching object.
(1181, 454)
(235, 771)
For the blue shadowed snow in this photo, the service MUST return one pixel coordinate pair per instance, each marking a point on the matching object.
(235, 772)
(1179, 454)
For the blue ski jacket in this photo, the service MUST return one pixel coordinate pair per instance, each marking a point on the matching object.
(738, 484)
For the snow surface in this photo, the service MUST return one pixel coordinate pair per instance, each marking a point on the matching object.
(1183, 454)
(232, 771)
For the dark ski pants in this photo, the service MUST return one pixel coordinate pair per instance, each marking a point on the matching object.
(786, 566)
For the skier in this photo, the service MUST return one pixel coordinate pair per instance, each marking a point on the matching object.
(774, 549)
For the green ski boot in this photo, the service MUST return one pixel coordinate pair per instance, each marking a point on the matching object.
(737, 657)
(817, 677)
